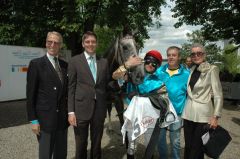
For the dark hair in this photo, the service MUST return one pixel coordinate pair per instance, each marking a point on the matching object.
(87, 34)
(175, 48)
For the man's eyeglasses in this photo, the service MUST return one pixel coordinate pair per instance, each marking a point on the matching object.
(147, 62)
(49, 42)
(198, 54)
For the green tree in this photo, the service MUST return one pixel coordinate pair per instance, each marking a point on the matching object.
(105, 38)
(231, 60)
(219, 18)
(26, 23)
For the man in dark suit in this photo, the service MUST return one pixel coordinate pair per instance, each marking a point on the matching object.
(47, 100)
(88, 78)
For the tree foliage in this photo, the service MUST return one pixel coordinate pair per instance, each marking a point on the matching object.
(26, 22)
(219, 18)
(106, 37)
(231, 61)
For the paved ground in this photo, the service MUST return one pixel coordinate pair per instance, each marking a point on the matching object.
(18, 142)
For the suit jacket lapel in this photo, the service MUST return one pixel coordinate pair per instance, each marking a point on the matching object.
(98, 69)
(64, 72)
(84, 63)
(52, 70)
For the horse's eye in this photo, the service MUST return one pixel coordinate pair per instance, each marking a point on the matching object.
(125, 47)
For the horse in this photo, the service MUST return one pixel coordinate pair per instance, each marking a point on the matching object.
(122, 48)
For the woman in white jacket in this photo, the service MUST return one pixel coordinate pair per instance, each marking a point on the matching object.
(204, 102)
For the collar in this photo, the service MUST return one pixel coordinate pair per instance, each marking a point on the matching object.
(150, 74)
(204, 67)
(88, 56)
(173, 69)
(165, 67)
(50, 56)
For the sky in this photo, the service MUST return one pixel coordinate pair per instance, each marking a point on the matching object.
(167, 35)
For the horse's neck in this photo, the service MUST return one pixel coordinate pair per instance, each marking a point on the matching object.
(113, 66)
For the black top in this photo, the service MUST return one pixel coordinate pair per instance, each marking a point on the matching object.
(194, 78)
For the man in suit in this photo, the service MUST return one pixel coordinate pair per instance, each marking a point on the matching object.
(47, 100)
(88, 78)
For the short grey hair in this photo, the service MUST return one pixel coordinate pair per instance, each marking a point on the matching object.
(57, 34)
(198, 45)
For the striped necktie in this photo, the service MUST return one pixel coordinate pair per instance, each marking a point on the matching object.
(57, 68)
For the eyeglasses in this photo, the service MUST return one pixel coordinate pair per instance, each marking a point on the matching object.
(49, 42)
(147, 62)
(198, 54)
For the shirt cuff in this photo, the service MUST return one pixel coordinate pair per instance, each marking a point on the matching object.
(34, 122)
(120, 82)
(71, 113)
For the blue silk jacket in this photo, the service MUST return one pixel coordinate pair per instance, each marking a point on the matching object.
(150, 83)
(176, 86)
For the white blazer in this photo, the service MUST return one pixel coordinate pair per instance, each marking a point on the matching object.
(199, 106)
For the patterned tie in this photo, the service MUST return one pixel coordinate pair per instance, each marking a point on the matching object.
(92, 67)
(57, 68)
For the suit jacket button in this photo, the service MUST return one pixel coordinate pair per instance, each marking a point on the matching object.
(57, 110)
(55, 88)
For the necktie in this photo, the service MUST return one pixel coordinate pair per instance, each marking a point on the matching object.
(57, 68)
(92, 67)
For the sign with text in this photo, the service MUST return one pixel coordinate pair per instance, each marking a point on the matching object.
(14, 61)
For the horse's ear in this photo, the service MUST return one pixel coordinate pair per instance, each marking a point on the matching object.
(116, 43)
(120, 36)
(126, 30)
(134, 32)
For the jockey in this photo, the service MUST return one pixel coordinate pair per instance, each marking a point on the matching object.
(152, 61)
(151, 82)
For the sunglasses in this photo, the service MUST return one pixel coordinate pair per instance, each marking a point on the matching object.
(198, 54)
(154, 64)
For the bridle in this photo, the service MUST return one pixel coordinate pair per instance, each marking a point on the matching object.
(118, 50)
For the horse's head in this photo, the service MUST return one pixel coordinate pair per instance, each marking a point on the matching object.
(126, 47)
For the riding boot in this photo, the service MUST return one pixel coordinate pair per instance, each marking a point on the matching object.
(126, 141)
(130, 156)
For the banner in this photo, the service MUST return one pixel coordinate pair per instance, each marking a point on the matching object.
(14, 61)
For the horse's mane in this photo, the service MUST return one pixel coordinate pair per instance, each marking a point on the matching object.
(111, 55)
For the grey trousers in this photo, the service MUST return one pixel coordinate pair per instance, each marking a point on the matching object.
(53, 145)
